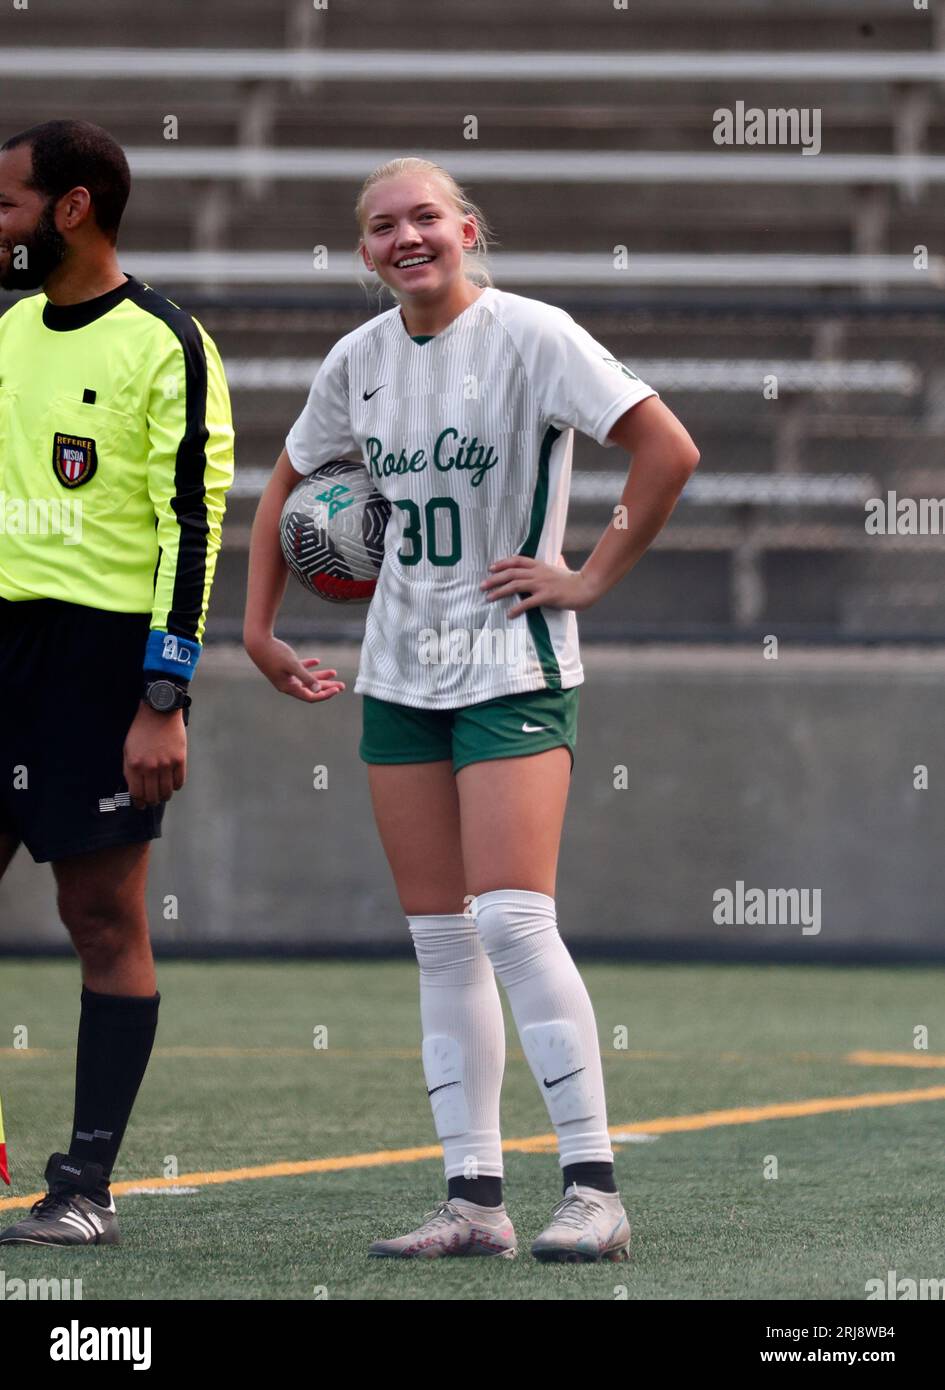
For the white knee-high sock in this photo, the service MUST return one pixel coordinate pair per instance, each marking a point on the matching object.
(553, 1015)
(463, 1042)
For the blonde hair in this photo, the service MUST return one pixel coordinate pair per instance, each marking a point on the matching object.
(474, 266)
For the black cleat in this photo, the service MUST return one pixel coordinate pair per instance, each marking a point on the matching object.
(68, 1214)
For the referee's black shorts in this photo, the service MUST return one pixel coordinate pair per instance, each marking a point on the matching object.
(70, 686)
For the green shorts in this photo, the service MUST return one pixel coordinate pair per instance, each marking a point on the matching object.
(507, 727)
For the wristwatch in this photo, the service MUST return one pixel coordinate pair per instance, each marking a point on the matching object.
(166, 696)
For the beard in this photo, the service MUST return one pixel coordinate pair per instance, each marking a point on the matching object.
(40, 253)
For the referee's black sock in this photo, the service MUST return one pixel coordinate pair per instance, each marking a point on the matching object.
(599, 1175)
(116, 1034)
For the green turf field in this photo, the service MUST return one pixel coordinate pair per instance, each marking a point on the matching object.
(236, 1082)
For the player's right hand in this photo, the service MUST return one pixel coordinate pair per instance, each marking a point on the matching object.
(290, 675)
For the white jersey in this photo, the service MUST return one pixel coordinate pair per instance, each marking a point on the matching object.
(469, 435)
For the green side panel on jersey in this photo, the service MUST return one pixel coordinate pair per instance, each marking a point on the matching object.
(537, 625)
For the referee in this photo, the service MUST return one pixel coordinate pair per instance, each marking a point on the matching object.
(116, 451)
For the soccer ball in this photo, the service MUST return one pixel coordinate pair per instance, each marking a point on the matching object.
(332, 532)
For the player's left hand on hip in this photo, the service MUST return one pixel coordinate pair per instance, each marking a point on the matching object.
(547, 586)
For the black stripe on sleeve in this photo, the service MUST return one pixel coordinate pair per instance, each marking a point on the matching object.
(189, 500)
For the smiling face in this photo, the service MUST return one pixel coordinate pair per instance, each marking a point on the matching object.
(413, 236)
(31, 246)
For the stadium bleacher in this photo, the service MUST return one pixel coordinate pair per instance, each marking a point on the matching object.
(594, 131)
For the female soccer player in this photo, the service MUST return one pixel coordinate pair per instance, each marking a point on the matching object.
(462, 401)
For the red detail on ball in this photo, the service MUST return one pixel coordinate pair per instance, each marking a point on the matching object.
(352, 589)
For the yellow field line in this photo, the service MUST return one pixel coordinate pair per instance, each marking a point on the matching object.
(784, 1110)
(539, 1143)
(896, 1059)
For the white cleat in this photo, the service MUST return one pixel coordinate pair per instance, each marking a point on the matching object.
(455, 1227)
(586, 1226)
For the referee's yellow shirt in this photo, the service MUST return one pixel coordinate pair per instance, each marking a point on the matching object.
(116, 452)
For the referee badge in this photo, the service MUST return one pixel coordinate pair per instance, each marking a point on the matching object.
(74, 460)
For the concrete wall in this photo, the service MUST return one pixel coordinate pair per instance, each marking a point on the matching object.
(794, 773)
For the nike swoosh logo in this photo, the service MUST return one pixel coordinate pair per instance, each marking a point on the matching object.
(368, 394)
(443, 1087)
(534, 728)
(558, 1079)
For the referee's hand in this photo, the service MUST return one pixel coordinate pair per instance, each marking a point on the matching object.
(155, 756)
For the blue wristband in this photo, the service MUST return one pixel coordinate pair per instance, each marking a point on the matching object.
(177, 656)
